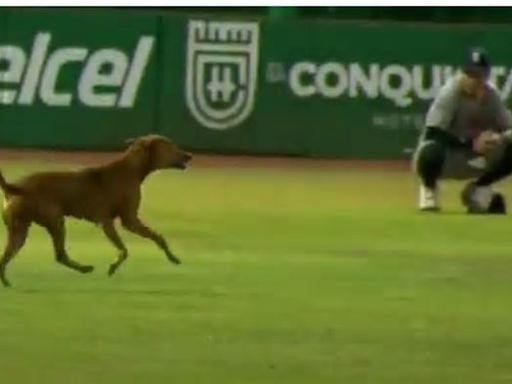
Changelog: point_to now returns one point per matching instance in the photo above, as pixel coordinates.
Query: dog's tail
(9, 189)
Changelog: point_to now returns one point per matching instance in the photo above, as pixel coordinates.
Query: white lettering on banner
(419, 73)
(53, 67)
(401, 84)
(338, 75)
(35, 67)
(93, 77)
(108, 77)
(300, 86)
(15, 59)
(359, 79)
(399, 94)
(397, 121)
(137, 69)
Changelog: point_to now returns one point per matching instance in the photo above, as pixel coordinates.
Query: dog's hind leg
(57, 230)
(136, 226)
(16, 235)
(110, 231)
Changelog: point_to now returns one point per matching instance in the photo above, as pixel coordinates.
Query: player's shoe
(428, 199)
(498, 205)
(482, 200)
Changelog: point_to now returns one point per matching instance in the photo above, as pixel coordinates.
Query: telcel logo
(25, 78)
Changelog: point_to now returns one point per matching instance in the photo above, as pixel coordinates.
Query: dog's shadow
(95, 291)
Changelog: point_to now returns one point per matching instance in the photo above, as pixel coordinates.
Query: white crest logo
(222, 71)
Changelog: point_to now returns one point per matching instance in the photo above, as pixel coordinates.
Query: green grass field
(289, 276)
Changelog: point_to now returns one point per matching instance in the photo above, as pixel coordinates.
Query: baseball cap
(477, 63)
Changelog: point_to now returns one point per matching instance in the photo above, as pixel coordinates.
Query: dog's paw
(174, 259)
(87, 269)
(112, 270)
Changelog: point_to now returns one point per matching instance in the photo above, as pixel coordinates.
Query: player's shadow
(457, 212)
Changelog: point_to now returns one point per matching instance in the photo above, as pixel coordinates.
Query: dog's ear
(133, 142)
(144, 140)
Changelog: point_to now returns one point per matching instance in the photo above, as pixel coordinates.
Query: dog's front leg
(135, 225)
(110, 231)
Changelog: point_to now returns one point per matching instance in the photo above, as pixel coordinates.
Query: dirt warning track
(210, 160)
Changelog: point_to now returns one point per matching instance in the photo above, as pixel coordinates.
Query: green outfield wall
(91, 78)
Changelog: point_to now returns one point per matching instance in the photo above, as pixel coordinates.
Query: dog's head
(160, 152)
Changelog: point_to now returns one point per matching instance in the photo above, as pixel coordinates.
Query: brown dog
(97, 194)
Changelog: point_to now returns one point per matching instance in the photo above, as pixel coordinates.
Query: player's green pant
(431, 155)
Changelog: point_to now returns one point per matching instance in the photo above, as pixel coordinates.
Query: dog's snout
(181, 160)
(184, 157)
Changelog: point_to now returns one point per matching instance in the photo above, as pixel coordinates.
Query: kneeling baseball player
(468, 136)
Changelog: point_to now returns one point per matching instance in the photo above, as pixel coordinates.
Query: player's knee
(507, 153)
(502, 158)
(429, 158)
